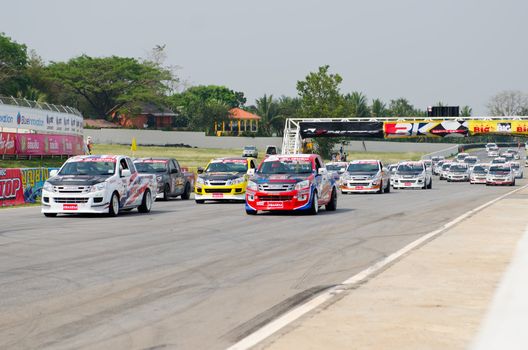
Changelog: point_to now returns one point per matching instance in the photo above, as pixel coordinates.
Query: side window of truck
(131, 165)
(317, 165)
(176, 165)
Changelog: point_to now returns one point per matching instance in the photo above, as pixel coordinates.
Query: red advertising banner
(7, 143)
(11, 187)
(46, 144)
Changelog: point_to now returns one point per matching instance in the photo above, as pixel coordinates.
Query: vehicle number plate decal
(218, 195)
(275, 205)
(407, 184)
(359, 187)
(69, 207)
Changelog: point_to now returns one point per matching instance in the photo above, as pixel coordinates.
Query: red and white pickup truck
(97, 184)
(291, 182)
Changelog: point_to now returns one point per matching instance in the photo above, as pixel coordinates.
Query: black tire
(166, 193)
(332, 205)
(251, 212)
(113, 209)
(513, 183)
(146, 202)
(381, 188)
(200, 201)
(187, 192)
(50, 215)
(388, 188)
(430, 184)
(314, 206)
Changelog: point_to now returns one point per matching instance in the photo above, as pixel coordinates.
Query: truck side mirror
(251, 172)
(125, 173)
(322, 171)
(200, 170)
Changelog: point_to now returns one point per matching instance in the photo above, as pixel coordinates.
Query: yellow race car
(223, 179)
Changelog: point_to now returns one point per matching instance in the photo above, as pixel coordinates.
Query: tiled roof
(99, 123)
(237, 113)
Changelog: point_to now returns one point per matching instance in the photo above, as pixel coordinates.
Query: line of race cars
(300, 182)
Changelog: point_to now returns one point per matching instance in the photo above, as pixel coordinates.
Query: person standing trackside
(89, 145)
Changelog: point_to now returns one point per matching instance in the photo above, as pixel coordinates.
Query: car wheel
(430, 184)
(251, 212)
(146, 202)
(187, 193)
(113, 209)
(381, 188)
(387, 189)
(200, 201)
(50, 215)
(332, 205)
(166, 192)
(314, 206)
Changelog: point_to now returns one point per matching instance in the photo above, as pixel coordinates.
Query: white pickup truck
(100, 184)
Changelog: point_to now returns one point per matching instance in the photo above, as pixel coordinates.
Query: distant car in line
(336, 169)
(458, 172)
(250, 151)
(500, 174)
(498, 160)
(172, 181)
(493, 153)
(272, 150)
(437, 167)
(413, 175)
(364, 176)
(444, 170)
(461, 156)
(471, 161)
(478, 173)
(491, 146)
(392, 171)
(517, 170)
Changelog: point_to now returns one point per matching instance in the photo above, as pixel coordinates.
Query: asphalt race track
(191, 276)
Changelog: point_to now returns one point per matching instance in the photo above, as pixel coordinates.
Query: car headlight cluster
(252, 186)
(302, 184)
(200, 181)
(236, 181)
(47, 187)
(98, 187)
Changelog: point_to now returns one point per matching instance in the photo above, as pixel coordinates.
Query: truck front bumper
(74, 203)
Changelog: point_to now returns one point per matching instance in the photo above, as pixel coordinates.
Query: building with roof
(151, 117)
(240, 121)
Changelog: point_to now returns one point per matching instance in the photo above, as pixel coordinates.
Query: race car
(458, 172)
(363, 176)
(437, 167)
(478, 174)
(500, 174)
(471, 161)
(97, 184)
(498, 160)
(392, 171)
(461, 156)
(172, 181)
(444, 170)
(493, 153)
(223, 179)
(413, 175)
(336, 169)
(298, 182)
(517, 170)
(491, 146)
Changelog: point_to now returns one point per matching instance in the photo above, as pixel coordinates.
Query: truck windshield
(88, 168)
(410, 168)
(458, 168)
(151, 167)
(479, 170)
(334, 167)
(227, 166)
(470, 160)
(499, 170)
(363, 167)
(286, 167)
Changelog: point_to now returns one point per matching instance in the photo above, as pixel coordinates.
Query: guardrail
(447, 152)
(22, 102)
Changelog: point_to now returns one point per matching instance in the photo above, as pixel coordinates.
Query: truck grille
(216, 183)
(358, 184)
(276, 187)
(71, 189)
(217, 190)
(71, 200)
(275, 198)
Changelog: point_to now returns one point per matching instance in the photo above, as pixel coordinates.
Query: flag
(133, 148)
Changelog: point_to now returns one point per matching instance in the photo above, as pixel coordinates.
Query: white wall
(198, 139)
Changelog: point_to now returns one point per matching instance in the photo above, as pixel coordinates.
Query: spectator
(89, 144)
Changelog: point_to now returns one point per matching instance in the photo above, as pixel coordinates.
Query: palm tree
(268, 110)
(466, 111)
(356, 105)
(378, 108)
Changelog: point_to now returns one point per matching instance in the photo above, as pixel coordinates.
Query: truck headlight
(98, 187)
(200, 181)
(47, 187)
(236, 181)
(252, 186)
(302, 184)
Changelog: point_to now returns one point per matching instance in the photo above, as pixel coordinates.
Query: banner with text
(7, 143)
(43, 144)
(445, 128)
(341, 129)
(513, 127)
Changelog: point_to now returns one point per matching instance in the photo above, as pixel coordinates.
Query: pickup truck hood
(221, 176)
(77, 180)
(288, 178)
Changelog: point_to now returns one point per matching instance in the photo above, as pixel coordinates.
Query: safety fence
(22, 185)
(18, 144)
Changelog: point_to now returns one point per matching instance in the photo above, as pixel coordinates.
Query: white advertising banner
(18, 117)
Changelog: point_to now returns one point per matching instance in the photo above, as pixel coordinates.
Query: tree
(268, 109)
(466, 111)
(508, 103)
(401, 108)
(356, 105)
(13, 62)
(206, 113)
(320, 98)
(111, 84)
(378, 109)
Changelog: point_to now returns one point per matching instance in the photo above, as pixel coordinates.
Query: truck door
(177, 179)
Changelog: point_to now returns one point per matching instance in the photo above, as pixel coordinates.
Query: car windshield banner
(341, 129)
(446, 128)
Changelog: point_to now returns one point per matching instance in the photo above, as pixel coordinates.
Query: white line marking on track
(289, 317)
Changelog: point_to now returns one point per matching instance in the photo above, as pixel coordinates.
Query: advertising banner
(17, 117)
(514, 127)
(31, 144)
(445, 128)
(7, 143)
(11, 187)
(42, 144)
(341, 129)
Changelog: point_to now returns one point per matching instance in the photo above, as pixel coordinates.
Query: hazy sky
(455, 51)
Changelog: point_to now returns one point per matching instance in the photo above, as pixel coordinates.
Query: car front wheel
(146, 202)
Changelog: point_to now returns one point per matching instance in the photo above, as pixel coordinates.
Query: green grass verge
(190, 157)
